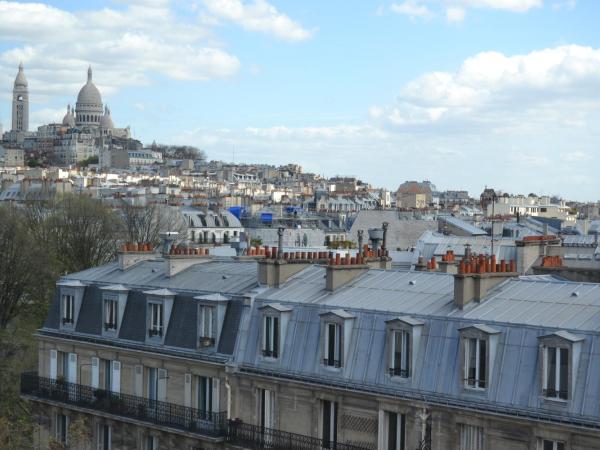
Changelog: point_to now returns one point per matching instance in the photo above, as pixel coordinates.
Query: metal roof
(463, 225)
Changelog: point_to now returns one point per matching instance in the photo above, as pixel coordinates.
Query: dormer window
(556, 373)
(270, 336)
(68, 304)
(336, 332)
(400, 358)
(111, 308)
(275, 318)
(560, 355)
(479, 343)
(475, 363)
(206, 326)
(404, 336)
(156, 320)
(333, 340)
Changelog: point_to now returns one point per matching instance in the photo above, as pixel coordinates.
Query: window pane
(548, 445)
(551, 372)
(406, 351)
(275, 336)
(482, 362)
(331, 347)
(397, 350)
(392, 431)
(564, 373)
(472, 359)
(326, 423)
(560, 446)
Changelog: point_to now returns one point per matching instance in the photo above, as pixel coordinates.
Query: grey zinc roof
(228, 276)
(464, 225)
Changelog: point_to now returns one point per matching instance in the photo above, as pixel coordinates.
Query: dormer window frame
(159, 305)
(478, 347)
(336, 332)
(554, 349)
(273, 327)
(206, 325)
(71, 297)
(111, 313)
(403, 333)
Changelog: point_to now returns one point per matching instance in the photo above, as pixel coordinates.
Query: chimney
(476, 277)
(133, 253)
(376, 236)
(360, 239)
(180, 258)
(341, 272)
(280, 232)
(168, 238)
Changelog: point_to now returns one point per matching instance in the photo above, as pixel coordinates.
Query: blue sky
(466, 93)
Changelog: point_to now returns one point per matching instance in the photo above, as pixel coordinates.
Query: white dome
(20, 80)
(89, 93)
(69, 120)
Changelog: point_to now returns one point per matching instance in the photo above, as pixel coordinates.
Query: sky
(464, 93)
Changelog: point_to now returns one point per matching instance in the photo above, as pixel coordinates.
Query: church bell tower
(20, 104)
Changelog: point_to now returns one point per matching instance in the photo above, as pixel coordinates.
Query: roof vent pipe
(384, 225)
(375, 236)
(360, 240)
(168, 238)
(280, 231)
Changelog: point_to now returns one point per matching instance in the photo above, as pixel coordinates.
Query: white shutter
(187, 390)
(215, 394)
(268, 409)
(95, 382)
(116, 377)
(72, 368)
(53, 364)
(138, 381)
(162, 385)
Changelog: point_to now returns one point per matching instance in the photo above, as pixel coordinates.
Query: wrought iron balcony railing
(562, 394)
(144, 409)
(255, 437)
(398, 372)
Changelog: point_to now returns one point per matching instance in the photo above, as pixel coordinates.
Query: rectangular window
(396, 431)
(63, 365)
(475, 363)
(62, 428)
(333, 339)
(556, 373)
(156, 320)
(206, 325)
(400, 360)
(552, 445)
(151, 443)
(471, 437)
(329, 424)
(107, 372)
(68, 302)
(266, 408)
(104, 437)
(152, 383)
(271, 337)
(110, 314)
(205, 394)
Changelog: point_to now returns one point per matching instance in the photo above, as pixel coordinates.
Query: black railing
(152, 332)
(554, 393)
(110, 326)
(332, 362)
(398, 372)
(67, 320)
(256, 438)
(475, 383)
(206, 341)
(153, 411)
(269, 353)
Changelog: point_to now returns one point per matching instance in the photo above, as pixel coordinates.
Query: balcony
(130, 406)
(255, 437)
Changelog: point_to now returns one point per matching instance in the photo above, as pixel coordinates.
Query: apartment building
(190, 352)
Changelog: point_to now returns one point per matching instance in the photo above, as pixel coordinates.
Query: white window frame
(556, 445)
(58, 428)
(151, 442)
(206, 322)
(336, 361)
(68, 309)
(157, 318)
(111, 314)
(476, 382)
(266, 407)
(404, 371)
(102, 443)
(400, 430)
(554, 392)
(331, 440)
(271, 332)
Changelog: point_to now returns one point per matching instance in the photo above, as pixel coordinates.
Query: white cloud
(412, 9)
(575, 156)
(125, 47)
(455, 14)
(258, 16)
(490, 85)
(507, 5)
